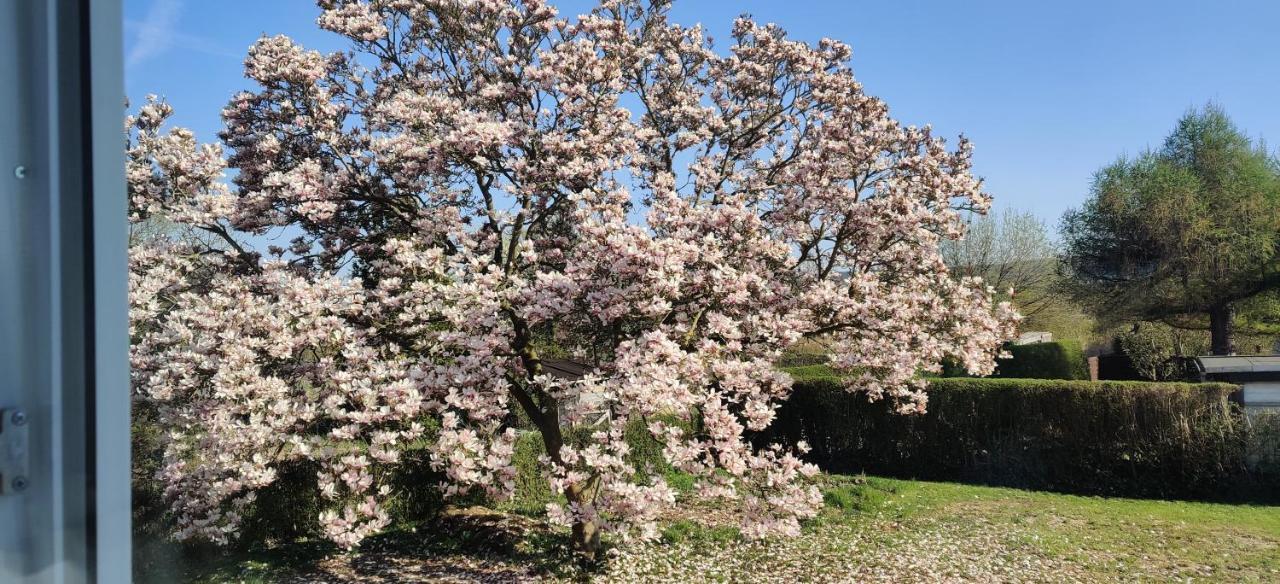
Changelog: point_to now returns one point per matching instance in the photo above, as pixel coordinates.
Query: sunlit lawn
(872, 529)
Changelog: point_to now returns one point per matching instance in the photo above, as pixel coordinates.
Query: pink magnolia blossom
(478, 181)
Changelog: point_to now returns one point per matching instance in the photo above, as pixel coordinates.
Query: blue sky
(1048, 91)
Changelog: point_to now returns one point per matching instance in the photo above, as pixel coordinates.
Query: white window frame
(67, 272)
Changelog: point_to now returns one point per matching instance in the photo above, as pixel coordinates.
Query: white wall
(1261, 393)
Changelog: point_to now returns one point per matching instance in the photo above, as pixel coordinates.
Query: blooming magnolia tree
(479, 183)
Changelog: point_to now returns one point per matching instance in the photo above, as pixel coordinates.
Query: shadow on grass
(473, 544)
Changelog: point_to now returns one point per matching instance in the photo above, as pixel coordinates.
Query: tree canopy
(1012, 252)
(474, 178)
(1181, 234)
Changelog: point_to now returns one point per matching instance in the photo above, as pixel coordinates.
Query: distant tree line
(1175, 251)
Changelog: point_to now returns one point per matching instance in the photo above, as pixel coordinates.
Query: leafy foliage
(1103, 438)
(1158, 352)
(1180, 234)
(1014, 254)
(1051, 360)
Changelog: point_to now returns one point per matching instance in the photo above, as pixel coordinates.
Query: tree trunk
(546, 416)
(586, 534)
(1221, 329)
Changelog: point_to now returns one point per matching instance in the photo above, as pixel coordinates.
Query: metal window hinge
(14, 477)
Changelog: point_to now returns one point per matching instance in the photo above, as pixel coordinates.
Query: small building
(565, 369)
(571, 371)
(1259, 379)
(1257, 375)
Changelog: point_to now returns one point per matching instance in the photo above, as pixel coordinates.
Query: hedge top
(818, 375)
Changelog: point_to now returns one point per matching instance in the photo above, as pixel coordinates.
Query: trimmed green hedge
(802, 359)
(1052, 360)
(1104, 438)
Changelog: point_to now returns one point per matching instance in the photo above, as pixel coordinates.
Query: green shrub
(1104, 438)
(810, 372)
(286, 510)
(147, 445)
(532, 490)
(801, 359)
(952, 368)
(1052, 360)
(533, 493)
(414, 492)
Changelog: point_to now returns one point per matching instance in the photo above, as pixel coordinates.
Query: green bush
(1052, 360)
(801, 359)
(533, 492)
(1104, 438)
(810, 372)
(285, 510)
(288, 508)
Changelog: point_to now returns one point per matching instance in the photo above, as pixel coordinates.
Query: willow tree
(1180, 235)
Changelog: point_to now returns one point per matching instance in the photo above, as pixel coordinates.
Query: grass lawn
(871, 530)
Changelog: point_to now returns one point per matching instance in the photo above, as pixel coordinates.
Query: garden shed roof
(565, 369)
(1239, 364)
